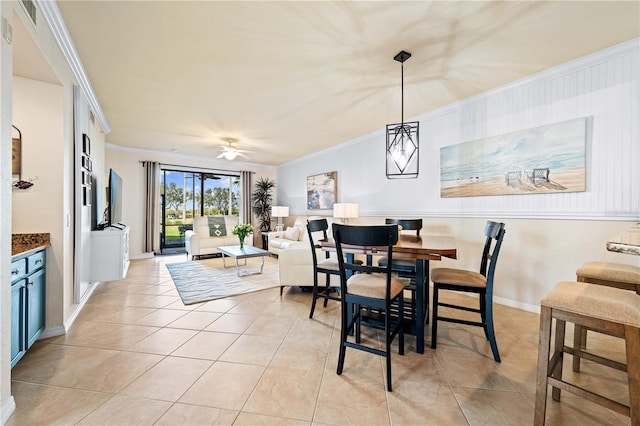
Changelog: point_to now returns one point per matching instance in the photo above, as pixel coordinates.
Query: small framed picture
(86, 196)
(86, 144)
(86, 178)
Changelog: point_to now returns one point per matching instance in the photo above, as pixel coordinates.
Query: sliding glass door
(186, 195)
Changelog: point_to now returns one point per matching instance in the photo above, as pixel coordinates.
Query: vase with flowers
(242, 230)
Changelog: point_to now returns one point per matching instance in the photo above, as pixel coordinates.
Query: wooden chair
(609, 274)
(328, 266)
(474, 282)
(604, 309)
(401, 265)
(368, 286)
(407, 268)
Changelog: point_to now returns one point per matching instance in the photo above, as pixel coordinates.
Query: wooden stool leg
(632, 338)
(579, 342)
(544, 346)
(558, 349)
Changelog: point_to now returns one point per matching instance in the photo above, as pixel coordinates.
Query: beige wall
(535, 254)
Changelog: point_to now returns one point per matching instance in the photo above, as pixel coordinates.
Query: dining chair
(400, 265)
(474, 282)
(328, 266)
(604, 309)
(365, 286)
(407, 268)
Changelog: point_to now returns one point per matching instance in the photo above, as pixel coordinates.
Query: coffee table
(243, 253)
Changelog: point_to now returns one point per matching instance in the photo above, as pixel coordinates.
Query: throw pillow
(292, 233)
(217, 227)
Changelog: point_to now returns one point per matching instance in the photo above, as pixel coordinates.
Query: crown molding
(53, 18)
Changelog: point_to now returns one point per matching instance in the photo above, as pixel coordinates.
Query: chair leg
(387, 335)
(483, 314)
(577, 344)
(326, 291)
(401, 325)
(544, 347)
(632, 338)
(434, 317)
(344, 331)
(488, 327)
(315, 294)
(558, 348)
(281, 288)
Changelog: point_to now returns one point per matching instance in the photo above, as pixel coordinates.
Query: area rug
(201, 280)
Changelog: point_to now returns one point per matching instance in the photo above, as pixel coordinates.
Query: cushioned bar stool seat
(600, 308)
(610, 274)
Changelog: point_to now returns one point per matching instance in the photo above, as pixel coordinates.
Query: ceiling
(287, 79)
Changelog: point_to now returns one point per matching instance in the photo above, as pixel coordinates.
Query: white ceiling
(290, 78)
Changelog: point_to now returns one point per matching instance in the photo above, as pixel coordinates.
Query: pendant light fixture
(402, 139)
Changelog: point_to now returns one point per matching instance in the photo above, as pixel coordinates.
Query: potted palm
(262, 199)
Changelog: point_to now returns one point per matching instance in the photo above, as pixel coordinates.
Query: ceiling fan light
(230, 155)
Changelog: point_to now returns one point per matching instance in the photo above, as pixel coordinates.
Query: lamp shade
(280, 211)
(345, 210)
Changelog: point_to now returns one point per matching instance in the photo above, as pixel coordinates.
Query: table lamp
(345, 211)
(279, 212)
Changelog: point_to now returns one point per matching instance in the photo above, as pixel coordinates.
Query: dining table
(420, 249)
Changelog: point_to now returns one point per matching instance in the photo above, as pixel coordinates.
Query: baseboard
(142, 256)
(518, 305)
(7, 409)
(52, 332)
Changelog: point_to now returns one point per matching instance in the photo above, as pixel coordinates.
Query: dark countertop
(25, 244)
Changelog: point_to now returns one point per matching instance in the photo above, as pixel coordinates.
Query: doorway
(185, 195)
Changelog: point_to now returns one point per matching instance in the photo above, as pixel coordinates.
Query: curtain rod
(193, 169)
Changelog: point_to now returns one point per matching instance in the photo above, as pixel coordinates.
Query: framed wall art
(545, 159)
(321, 190)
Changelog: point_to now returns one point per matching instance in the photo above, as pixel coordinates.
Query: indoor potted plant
(262, 198)
(242, 230)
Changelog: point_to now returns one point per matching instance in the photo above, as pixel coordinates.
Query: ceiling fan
(229, 152)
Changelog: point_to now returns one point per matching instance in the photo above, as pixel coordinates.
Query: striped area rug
(202, 280)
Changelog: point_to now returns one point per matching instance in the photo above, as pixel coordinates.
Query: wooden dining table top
(430, 247)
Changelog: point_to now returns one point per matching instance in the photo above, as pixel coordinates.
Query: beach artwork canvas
(321, 191)
(544, 159)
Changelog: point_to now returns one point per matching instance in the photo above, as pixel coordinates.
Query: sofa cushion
(292, 233)
(217, 226)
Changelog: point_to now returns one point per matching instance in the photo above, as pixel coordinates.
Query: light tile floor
(137, 355)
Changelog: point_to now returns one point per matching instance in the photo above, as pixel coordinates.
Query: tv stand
(109, 253)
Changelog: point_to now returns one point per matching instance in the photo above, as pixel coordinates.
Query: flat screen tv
(114, 199)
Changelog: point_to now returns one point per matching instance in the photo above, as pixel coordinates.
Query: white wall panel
(603, 86)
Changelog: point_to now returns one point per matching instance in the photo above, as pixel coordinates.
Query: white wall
(126, 162)
(38, 111)
(548, 235)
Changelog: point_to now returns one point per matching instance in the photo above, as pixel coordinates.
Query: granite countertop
(628, 242)
(25, 244)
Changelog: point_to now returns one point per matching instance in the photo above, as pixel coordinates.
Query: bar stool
(609, 274)
(601, 308)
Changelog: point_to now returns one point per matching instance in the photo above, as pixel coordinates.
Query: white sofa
(295, 263)
(200, 242)
(292, 236)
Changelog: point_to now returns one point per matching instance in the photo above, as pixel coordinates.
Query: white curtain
(152, 207)
(246, 183)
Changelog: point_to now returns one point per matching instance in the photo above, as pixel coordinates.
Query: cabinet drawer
(35, 261)
(18, 269)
